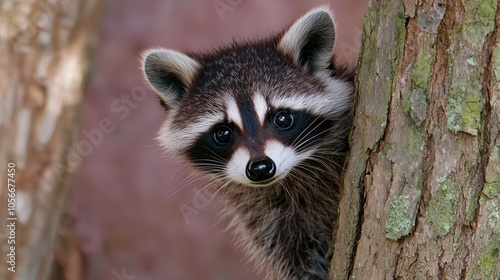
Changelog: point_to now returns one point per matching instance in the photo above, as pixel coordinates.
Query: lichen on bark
(425, 147)
(399, 223)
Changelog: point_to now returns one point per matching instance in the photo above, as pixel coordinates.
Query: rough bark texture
(45, 47)
(422, 183)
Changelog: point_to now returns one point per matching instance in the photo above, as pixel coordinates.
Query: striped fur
(223, 116)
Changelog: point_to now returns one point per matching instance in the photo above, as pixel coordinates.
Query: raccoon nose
(260, 169)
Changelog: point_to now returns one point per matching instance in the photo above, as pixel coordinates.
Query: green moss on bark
(479, 22)
(488, 265)
(415, 98)
(465, 103)
(440, 212)
(399, 223)
(492, 175)
(422, 70)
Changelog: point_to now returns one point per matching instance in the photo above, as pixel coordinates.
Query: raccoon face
(253, 112)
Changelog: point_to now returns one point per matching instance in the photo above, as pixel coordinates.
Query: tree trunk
(422, 182)
(45, 47)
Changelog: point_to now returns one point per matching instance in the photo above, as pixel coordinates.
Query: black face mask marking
(212, 150)
(297, 129)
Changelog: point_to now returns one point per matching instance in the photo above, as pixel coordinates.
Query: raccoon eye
(223, 135)
(283, 120)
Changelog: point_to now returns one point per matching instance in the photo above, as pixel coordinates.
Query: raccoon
(267, 121)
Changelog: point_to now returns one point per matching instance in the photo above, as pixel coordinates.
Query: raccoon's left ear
(309, 41)
(170, 73)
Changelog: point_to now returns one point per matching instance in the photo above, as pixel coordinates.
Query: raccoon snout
(260, 169)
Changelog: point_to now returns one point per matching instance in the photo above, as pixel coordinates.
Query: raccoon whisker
(210, 163)
(310, 167)
(193, 177)
(225, 184)
(312, 176)
(172, 177)
(293, 175)
(321, 157)
(215, 166)
(334, 151)
(212, 166)
(300, 143)
(216, 160)
(302, 174)
(283, 184)
(312, 137)
(324, 164)
(298, 179)
(215, 154)
(188, 180)
(218, 213)
(315, 174)
(332, 143)
(210, 184)
(299, 146)
(329, 153)
(301, 136)
(297, 171)
(306, 197)
(300, 166)
(219, 217)
(161, 150)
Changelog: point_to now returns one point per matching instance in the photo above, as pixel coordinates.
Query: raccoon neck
(287, 228)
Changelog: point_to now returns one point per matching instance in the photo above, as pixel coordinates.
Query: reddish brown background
(125, 197)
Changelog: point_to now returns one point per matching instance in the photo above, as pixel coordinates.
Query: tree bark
(45, 47)
(422, 182)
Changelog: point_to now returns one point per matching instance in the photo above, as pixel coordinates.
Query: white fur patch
(283, 156)
(336, 100)
(233, 113)
(173, 139)
(237, 165)
(260, 105)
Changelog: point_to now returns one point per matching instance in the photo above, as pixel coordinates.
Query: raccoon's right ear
(170, 73)
(309, 41)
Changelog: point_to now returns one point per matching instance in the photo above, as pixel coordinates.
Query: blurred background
(132, 214)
